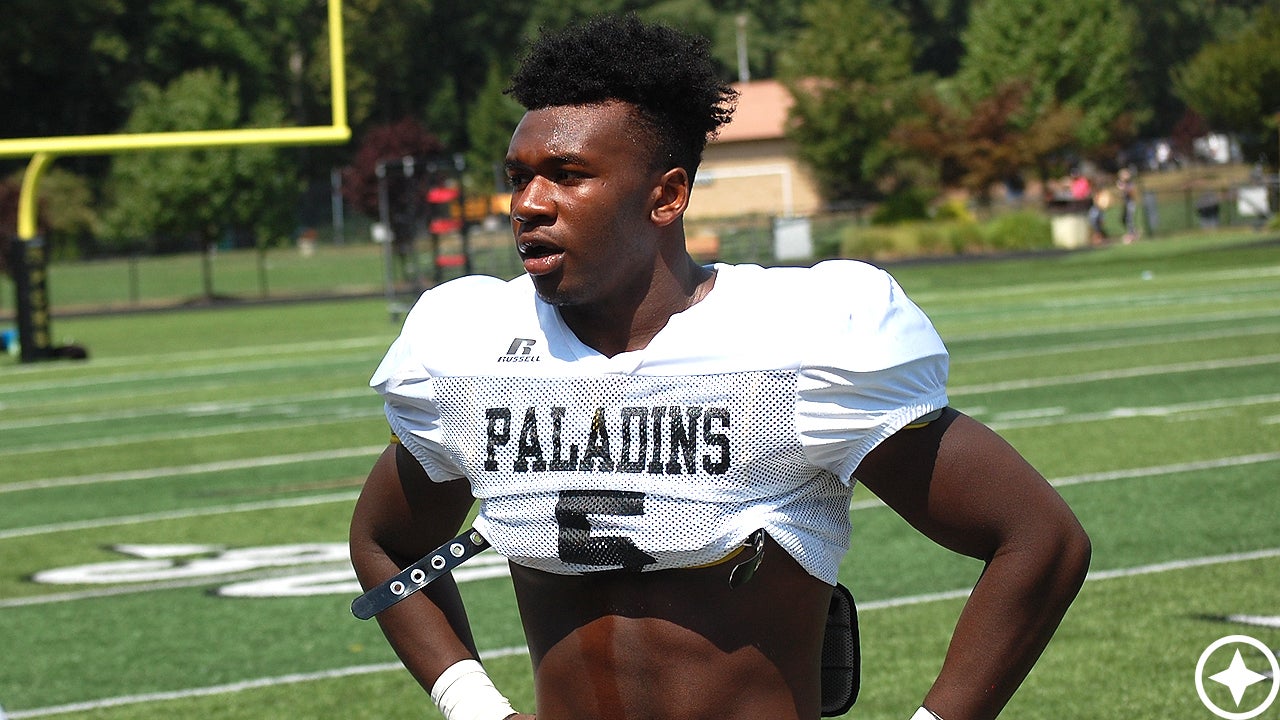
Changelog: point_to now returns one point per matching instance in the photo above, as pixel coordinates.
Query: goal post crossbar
(29, 255)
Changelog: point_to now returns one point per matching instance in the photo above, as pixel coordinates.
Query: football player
(665, 451)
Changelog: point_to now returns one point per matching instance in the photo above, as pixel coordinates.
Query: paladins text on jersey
(662, 440)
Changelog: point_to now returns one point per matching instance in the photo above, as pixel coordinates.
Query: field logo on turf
(1230, 669)
(277, 571)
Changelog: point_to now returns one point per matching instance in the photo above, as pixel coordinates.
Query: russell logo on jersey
(520, 350)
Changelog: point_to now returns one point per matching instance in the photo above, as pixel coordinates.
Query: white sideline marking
(254, 351)
(177, 514)
(1116, 374)
(1057, 416)
(1166, 469)
(1033, 350)
(1184, 564)
(509, 651)
(1094, 576)
(151, 473)
(346, 497)
(335, 416)
(869, 504)
(201, 371)
(329, 417)
(1182, 279)
(234, 687)
(185, 410)
(117, 590)
(1085, 328)
(1130, 473)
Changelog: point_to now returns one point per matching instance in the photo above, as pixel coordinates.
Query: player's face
(582, 191)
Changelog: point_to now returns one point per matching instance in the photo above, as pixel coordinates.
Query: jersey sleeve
(404, 381)
(874, 364)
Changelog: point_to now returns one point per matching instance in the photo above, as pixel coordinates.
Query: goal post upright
(29, 255)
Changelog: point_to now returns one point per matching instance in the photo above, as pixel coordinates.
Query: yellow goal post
(28, 269)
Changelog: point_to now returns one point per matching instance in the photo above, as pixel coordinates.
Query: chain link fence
(329, 265)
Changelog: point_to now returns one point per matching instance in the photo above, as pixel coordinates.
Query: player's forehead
(595, 133)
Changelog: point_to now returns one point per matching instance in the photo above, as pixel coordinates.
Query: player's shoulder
(809, 289)
(469, 300)
(477, 288)
(837, 313)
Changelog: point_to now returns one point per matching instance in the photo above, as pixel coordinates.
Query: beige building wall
(751, 168)
(758, 177)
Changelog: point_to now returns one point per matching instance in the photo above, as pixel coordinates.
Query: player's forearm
(429, 630)
(1010, 616)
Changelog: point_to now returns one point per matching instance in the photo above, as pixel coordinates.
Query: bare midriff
(676, 644)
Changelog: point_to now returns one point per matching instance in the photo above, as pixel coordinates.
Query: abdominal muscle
(676, 644)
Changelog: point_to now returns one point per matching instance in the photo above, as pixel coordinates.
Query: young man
(665, 451)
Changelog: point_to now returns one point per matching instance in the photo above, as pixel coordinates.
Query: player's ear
(670, 197)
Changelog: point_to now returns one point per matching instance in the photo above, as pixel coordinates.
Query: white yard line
(327, 418)
(208, 408)
(251, 351)
(186, 514)
(294, 678)
(62, 383)
(1032, 350)
(1076, 286)
(234, 687)
(1094, 327)
(211, 467)
(371, 451)
(1132, 473)
(1167, 469)
(347, 497)
(1030, 418)
(135, 588)
(1095, 576)
(184, 410)
(1118, 374)
(1042, 417)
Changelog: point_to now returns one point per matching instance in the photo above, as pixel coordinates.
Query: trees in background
(180, 197)
(1234, 84)
(979, 142)
(850, 90)
(1078, 55)
(858, 68)
(389, 168)
(1040, 85)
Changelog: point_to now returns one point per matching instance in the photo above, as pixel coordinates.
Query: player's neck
(627, 326)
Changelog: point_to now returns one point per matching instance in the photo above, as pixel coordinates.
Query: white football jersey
(749, 410)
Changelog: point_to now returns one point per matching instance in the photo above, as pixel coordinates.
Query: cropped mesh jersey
(749, 410)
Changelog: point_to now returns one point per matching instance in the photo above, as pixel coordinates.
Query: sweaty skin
(676, 643)
(681, 644)
(601, 231)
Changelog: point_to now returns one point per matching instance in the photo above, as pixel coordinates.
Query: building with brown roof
(752, 168)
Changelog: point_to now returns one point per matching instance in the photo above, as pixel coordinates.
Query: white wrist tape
(925, 714)
(465, 692)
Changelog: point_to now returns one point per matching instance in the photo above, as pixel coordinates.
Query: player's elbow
(1077, 553)
(1066, 552)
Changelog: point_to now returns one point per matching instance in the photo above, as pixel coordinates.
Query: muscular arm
(402, 515)
(964, 487)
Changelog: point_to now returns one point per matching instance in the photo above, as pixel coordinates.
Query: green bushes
(1013, 231)
(1018, 230)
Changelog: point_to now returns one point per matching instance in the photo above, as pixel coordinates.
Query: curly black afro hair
(667, 75)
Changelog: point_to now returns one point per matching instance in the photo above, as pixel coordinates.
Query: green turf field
(173, 511)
